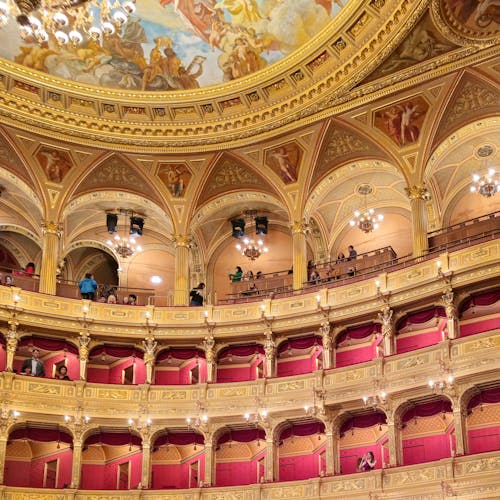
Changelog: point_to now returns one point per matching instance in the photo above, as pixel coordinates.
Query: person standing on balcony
(33, 366)
(88, 286)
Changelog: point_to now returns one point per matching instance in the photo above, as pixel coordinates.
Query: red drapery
(241, 350)
(484, 299)
(300, 343)
(242, 436)
(361, 421)
(422, 316)
(308, 429)
(117, 351)
(489, 396)
(180, 354)
(49, 344)
(44, 435)
(114, 439)
(428, 409)
(359, 332)
(180, 438)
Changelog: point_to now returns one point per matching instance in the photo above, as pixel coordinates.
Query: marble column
(209, 348)
(324, 331)
(388, 341)
(77, 464)
(452, 324)
(182, 244)
(418, 195)
(50, 257)
(299, 229)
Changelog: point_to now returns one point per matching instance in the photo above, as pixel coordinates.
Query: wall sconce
(259, 415)
(200, 419)
(262, 310)
(69, 418)
(444, 275)
(16, 298)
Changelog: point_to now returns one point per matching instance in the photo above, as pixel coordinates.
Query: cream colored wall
(279, 258)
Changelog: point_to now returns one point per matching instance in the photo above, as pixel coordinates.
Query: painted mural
(180, 44)
(478, 15)
(175, 176)
(284, 160)
(55, 164)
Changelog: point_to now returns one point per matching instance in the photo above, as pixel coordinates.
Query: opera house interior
(249, 249)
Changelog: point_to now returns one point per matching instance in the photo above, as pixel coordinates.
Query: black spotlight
(260, 225)
(112, 223)
(238, 228)
(136, 225)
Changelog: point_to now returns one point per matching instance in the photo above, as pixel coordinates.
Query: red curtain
(308, 429)
(422, 316)
(114, 439)
(242, 436)
(43, 435)
(180, 438)
(299, 343)
(489, 396)
(359, 332)
(361, 421)
(49, 344)
(180, 354)
(428, 409)
(117, 351)
(484, 299)
(241, 350)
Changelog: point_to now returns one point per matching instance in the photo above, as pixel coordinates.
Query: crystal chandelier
(486, 184)
(125, 245)
(67, 21)
(252, 248)
(366, 218)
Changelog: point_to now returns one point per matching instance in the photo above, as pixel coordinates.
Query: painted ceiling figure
(243, 12)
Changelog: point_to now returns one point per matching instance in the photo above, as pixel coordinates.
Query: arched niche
(111, 460)
(239, 457)
(177, 460)
(38, 456)
(180, 366)
(116, 364)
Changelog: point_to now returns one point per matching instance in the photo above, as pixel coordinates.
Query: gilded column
(182, 244)
(77, 463)
(336, 450)
(324, 331)
(270, 354)
(50, 257)
(146, 464)
(395, 444)
(330, 432)
(12, 340)
(299, 230)
(452, 324)
(209, 461)
(3, 449)
(150, 345)
(388, 336)
(459, 413)
(271, 458)
(83, 352)
(418, 195)
(209, 347)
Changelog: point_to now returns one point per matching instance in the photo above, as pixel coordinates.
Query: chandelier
(201, 418)
(258, 416)
(66, 20)
(253, 248)
(366, 218)
(377, 397)
(125, 245)
(486, 184)
(444, 380)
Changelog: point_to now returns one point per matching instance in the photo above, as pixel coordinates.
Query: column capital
(418, 192)
(51, 227)
(300, 227)
(182, 240)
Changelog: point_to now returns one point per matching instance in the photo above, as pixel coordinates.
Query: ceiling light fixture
(126, 245)
(253, 248)
(67, 21)
(366, 218)
(485, 184)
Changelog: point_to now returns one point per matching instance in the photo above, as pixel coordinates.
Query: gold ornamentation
(51, 227)
(418, 192)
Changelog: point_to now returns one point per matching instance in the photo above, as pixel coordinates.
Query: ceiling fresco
(180, 44)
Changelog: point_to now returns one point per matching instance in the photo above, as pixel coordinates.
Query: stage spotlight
(260, 225)
(238, 228)
(136, 225)
(112, 223)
